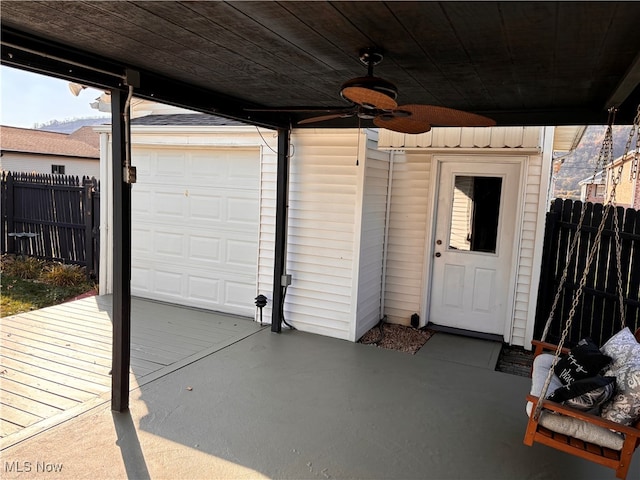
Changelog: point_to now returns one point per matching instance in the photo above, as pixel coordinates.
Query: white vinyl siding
(372, 238)
(336, 223)
(527, 251)
(404, 281)
(33, 163)
(324, 198)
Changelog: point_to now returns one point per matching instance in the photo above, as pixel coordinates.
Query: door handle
(438, 254)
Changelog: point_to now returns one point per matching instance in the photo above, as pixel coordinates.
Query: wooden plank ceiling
(521, 63)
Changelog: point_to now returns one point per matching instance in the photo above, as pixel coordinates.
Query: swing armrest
(633, 431)
(541, 347)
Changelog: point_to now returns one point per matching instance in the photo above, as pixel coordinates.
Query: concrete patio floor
(300, 406)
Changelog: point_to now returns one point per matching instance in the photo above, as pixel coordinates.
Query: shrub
(62, 275)
(26, 268)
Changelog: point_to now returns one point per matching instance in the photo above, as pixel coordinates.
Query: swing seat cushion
(624, 407)
(569, 426)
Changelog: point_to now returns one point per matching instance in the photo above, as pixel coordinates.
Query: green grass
(29, 284)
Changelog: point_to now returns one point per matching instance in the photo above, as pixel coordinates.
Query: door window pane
(474, 213)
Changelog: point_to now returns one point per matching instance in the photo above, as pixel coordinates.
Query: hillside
(581, 163)
(70, 126)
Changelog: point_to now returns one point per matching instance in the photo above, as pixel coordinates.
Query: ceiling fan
(374, 98)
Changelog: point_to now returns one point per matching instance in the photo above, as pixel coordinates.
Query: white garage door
(195, 215)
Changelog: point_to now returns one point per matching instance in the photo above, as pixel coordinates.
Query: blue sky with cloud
(27, 99)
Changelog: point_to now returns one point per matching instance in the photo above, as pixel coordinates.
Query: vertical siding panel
(466, 137)
(531, 137)
(452, 136)
(513, 137)
(526, 253)
(498, 135)
(438, 137)
(409, 141)
(482, 137)
(425, 139)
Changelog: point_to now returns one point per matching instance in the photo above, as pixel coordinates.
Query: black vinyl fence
(597, 315)
(53, 217)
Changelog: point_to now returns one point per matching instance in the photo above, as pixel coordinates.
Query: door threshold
(465, 333)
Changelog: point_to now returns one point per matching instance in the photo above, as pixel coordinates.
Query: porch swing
(575, 425)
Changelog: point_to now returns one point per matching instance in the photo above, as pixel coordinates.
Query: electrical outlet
(285, 280)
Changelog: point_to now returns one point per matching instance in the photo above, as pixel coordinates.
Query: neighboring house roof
(630, 156)
(70, 126)
(25, 140)
(186, 119)
(597, 178)
(87, 135)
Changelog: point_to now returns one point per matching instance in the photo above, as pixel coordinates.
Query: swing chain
(616, 230)
(633, 170)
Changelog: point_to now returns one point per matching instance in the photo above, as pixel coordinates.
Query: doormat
(397, 337)
(515, 361)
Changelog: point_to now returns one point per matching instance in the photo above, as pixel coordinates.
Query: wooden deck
(58, 359)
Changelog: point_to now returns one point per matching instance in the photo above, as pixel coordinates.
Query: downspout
(385, 246)
(105, 282)
(280, 280)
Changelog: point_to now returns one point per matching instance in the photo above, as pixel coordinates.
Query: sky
(27, 99)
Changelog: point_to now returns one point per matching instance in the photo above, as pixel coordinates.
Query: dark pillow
(583, 361)
(587, 394)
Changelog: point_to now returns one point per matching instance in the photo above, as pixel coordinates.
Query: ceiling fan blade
(447, 117)
(323, 118)
(402, 124)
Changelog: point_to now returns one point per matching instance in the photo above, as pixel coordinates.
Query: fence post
(3, 209)
(95, 195)
(11, 243)
(87, 203)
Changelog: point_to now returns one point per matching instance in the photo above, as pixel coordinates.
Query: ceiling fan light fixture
(370, 92)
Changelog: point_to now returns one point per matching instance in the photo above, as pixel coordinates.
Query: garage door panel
(204, 289)
(141, 243)
(241, 254)
(239, 295)
(168, 282)
(169, 244)
(205, 249)
(142, 200)
(242, 210)
(170, 164)
(205, 208)
(140, 279)
(169, 205)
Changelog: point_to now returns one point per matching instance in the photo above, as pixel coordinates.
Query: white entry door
(475, 232)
